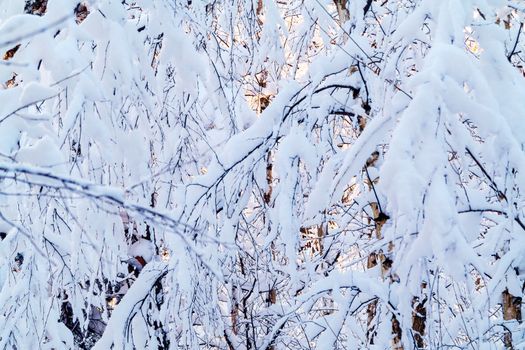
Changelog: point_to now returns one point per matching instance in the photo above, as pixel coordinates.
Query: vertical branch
(269, 179)
(235, 310)
(272, 292)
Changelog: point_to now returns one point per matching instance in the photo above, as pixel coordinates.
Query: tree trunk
(342, 11)
(511, 311)
(379, 257)
(419, 318)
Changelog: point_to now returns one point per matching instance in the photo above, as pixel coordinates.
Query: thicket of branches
(261, 174)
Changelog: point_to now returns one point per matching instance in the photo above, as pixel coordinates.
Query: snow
(148, 197)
